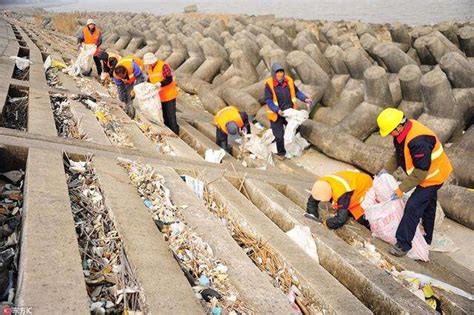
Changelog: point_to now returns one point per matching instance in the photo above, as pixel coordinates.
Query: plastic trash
(208, 293)
(203, 281)
(148, 203)
(427, 280)
(148, 102)
(302, 236)
(384, 215)
(294, 142)
(214, 156)
(47, 63)
(196, 185)
(84, 61)
(216, 310)
(21, 63)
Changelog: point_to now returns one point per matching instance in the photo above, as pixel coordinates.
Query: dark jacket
(282, 92)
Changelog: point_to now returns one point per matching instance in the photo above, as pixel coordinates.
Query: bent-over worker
(420, 153)
(160, 74)
(109, 61)
(346, 190)
(230, 121)
(91, 35)
(281, 94)
(127, 73)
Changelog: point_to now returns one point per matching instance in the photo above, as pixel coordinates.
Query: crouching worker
(109, 61)
(346, 190)
(230, 121)
(127, 73)
(420, 153)
(159, 73)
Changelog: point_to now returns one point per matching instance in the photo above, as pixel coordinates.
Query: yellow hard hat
(321, 191)
(388, 120)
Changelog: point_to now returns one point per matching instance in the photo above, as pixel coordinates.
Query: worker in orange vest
(281, 94)
(230, 121)
(109, 61)
(160, 74)
(421, 155)
(346, 190)
(127, 73)
(91, 35)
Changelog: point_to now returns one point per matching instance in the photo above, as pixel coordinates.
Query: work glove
(397, 194)
(158, 85)
(243, 131)
(132, 94)
(280, 112)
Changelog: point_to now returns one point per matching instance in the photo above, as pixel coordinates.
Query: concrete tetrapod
(466, 40)
(357, 62)
(215, 58)
(459, 70)
(393, 57)
(335, 56)
(457, 204)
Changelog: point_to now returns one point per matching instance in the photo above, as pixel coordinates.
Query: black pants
(278, 128)
(98, 65)
(420, 205)
(221, 140)
(169, 115)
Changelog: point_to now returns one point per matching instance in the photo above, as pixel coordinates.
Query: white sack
(214, 156)
(302, 237)
(21, 63)
(147, 102)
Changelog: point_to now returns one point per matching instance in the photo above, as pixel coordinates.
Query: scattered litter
(151, 133)
(111, 125)
(261, 147)
(11, 211)
(15, 113)
(214, 156)
(283, 277)
(302, 237)
(21, 63)
(66, 124)
(111, 282)
(442, 243)
(203, 270)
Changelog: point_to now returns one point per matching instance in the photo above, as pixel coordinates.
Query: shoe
(280, 157)
(397, 251)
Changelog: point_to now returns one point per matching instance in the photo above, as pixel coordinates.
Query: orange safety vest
(91, 38)
(155, 75)
(272, 116)
(228, 114)
(127, 62)
(440, 167)
(346, 181)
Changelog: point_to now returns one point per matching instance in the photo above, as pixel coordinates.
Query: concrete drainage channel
(111, 283)
(22, 74)
(15, 110)
(12, 212)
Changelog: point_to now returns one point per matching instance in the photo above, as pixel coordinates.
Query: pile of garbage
(112, 286)
(15, 113)
(66, 124)
(283, 277)
(52, 78)
(11, 209)
(206, 273)
(111, 125)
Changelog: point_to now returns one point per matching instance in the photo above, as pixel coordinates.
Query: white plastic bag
(302, 236)
(385, 215)
(21, 63)
(196, 185)
(147, 102)
(294, 142)
(47, 63)
(84, 61)
(214, 156)
(261, 147)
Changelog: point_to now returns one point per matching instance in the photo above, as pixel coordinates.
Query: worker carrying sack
(147, 102)
(384, 215)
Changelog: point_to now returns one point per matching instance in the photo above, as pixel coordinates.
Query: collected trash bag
(47, 63)
(302, 236)
(261, 147)
(147, 102)
(84, 61)
(21, 63)
(384, 216)
(294, 142)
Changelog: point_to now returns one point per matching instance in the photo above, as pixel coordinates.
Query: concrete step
(331, 295)
(50, 277)
(372, 285)
(254, 286)
(165, 286)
